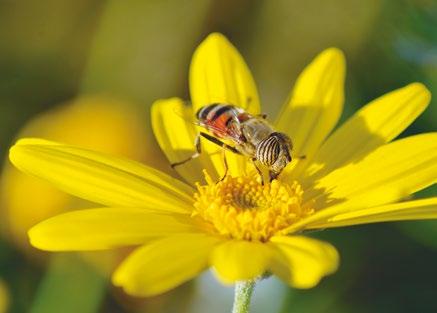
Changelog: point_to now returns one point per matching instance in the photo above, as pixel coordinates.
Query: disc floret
(243, 208)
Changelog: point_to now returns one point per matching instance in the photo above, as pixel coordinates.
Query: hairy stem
(242, 296)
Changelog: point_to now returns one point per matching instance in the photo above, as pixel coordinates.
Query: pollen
(243, 208)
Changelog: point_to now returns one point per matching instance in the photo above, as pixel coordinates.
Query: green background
(52, 51)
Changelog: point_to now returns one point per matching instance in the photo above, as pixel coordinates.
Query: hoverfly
(251, 136)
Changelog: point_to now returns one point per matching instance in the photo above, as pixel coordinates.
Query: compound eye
(268, 151)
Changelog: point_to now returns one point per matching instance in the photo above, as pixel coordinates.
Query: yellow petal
(218, 73)
(174, 129)
(315, 104)
(409, 210)
(389, 173)
(302, 262)
(100, 178)
(105, 228)
(164, 264)
(238, 260)
(374, 125)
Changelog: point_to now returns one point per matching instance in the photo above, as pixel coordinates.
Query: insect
(249, 135)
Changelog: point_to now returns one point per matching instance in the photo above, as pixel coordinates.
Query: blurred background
(86, 72)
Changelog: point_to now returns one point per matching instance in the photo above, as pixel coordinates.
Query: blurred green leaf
(143, 48)
(287, 35)
(70, 285)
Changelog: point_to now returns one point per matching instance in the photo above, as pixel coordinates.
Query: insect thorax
(256, 130)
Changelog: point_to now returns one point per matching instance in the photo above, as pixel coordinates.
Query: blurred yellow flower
(97, 121)
(237, 226)
(4, 297)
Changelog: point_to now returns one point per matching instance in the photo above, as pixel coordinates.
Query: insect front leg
(262, 115)
(258, 170)
(273, 175)
(195, 155)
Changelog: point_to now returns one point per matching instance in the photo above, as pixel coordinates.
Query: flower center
(242, 208)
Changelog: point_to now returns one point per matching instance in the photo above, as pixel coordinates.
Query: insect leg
(219, 143)
(224, 147)
(225, 163)
(199, 150)
(262, 115)
(195, 155)
(273, 175)
(258, 170)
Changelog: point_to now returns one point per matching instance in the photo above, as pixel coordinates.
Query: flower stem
(242, 296)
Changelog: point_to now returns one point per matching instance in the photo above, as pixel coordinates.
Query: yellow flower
(239, 227)
(87, 121)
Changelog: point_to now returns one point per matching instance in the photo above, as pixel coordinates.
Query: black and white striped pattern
(268, 150)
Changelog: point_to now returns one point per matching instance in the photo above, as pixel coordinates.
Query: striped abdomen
(218, 118)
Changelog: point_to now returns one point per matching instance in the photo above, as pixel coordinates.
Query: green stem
(242, 296)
